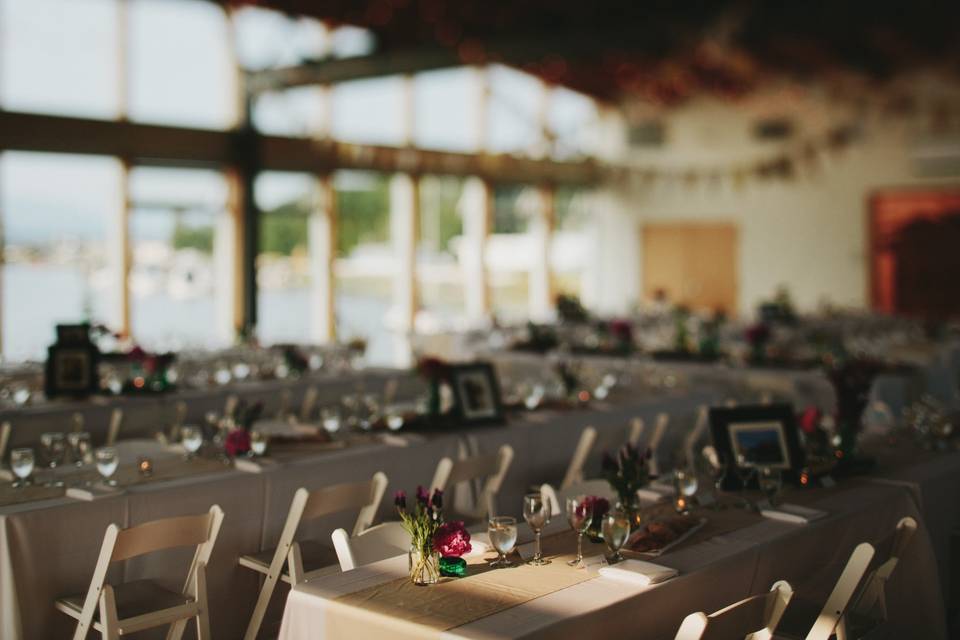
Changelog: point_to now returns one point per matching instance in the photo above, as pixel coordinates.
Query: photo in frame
(757, 436)
(71, 371)
(476, 393)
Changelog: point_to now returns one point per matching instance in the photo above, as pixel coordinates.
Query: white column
(322, 246)
(227, 266)
(611, 282)
(540, 230)
(475, 204)
(404, 223)
(118, 257)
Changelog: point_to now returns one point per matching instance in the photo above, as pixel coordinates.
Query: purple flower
(608, 463)
(400, 500)
(422, 496)
(452, 539)
(437, 500)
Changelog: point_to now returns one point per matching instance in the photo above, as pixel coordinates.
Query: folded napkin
(92, 492)
(655, 492)
(638, 572)
(792, 513)
(477, 548)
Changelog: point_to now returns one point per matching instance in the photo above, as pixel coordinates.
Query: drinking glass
(536, 511)
(107, 463)
(579, 515)
(54, 452)
(79, 447)
(502, 531)
(744, 473)
(685, 481)
(331, 419)
(192, 439)
(22, 463)
(616, 530)
(258, 442)
(394, 417)
(351, 405)
(770, 481)
(368, 411)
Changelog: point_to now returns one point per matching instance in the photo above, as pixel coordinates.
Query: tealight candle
(145, 466)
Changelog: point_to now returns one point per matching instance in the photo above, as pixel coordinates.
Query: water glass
(368, 411)
(616, 530)
(22, 463)
(258, 442)
(192, 439)
(394, 417)
(579, 515)
(331, 419)
(536, 511)
(54, 453)
(107, 463)
(80, 447)
(770, 481)
(502, 531)
(744, 473)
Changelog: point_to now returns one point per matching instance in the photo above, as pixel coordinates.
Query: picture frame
(765, 435)
(476, 393)
(71, 371)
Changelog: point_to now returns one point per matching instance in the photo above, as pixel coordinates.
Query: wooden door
(694, 263)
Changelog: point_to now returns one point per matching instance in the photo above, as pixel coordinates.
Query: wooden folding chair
(635, 432)
(116, 422)
(558, 499)
(310, 397)
(379, 542)
(753, 618)
(142, 604)
(659, 430)
(582, 451)
(294, 562)
(691, 440)
(831, 619)
(493, 467)
(870, 606)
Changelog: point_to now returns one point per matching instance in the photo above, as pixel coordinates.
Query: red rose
(237, 443)
(452, 539)
(810, 419)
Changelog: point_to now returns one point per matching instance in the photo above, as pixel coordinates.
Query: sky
(61, 57)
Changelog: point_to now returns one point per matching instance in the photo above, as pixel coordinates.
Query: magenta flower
(237, 443)
(452, 539)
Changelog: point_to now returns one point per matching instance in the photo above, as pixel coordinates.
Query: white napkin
(95, 491)
(655, 492)
(477, 548)
(638, 572)
(792, 513)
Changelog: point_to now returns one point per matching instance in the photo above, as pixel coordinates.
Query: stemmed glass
(579, 515)
(686, 484)
(770, 481)
(536, 511)
(616, 530)
(22, 463)
(502, 531)
(744, 473)
(192, 439)
(54, 452)
(79, 447)
(107, 463)
(258, 442)
(331, 419)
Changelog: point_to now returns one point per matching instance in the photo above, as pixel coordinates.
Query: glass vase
(424, 566)
(631, 507)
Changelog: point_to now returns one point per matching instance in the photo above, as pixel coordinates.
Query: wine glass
(54, 452)
(502, 531)
(22, 463)
(331, 419)
(579, 515)
(394, 417)
(368, 411)
(107, 463)
(744, 472)
(686, 484)
(79, 442)
(192, 439)
(258, 442)
(770, 481)
(536, 511)
(616, 530)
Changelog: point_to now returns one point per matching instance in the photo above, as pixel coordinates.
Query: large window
(180, 270)
(57, 211)
(439, 273)
(509, 253)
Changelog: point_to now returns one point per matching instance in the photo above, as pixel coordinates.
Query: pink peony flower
(237, 443)
(452, 539)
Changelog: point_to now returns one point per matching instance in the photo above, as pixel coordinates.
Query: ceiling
(664, 51)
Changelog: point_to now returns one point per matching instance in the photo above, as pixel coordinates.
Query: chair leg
(203, 615)
(176, 630)
(260, 609)
(108, 614)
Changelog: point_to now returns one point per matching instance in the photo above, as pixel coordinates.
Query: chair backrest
(310, 397)
(831, 616)
(492, 466)
(699, 429)
(871, 602)
(754, 618)
(659, 430)
(558, 499)
(580, 454)
(4, 439)
(635, 432)
(365, 496)
(113, 431)
(121, 544)
(380, 542)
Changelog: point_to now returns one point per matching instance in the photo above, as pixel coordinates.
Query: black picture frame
(775, 426)
(476, 393)
(72, 371)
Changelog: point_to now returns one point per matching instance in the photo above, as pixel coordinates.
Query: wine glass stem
(580, 547)
(537, 553)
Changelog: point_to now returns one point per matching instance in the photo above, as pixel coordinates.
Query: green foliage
(188, 237)
(363, 216)
(439, 219)
(285, 228)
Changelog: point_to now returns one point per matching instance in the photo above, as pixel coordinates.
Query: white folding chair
(230, 406)
(558, 499)
(491, 466)
(5, 429)
(283, 409)
(753, 618)
(831, 618)
(635, 432)
(310, 397)
(142, 604)
(582, 451)
(294, 562)
(691, 440)
(379, 542)
(113, 431)
(659, 430)
(869, 610)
